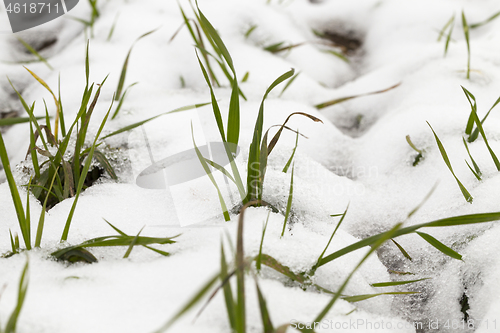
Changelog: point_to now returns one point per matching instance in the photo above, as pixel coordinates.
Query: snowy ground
(359, 156)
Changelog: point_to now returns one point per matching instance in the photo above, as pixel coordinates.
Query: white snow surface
(358, 157)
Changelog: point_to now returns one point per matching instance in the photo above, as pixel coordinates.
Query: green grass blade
(475, 134)
(448, 37)
(15, 120)
(285, 270)
(258, 260)
(402, 250)
(21, 295)
(446, 222)
(476, 167)
(446, 160)
(123, 73)
(104, 163)
(212, 179)
(359, 298)
(264, 312)
(142, 122)
(132, 244)
(221, 169)
(489, 19)
(215, 104)
(34, 52)
(190, 304)
(118, 108)
(253, 173)
(289, 203)
(21, 218)
(289, 162)
(41, 220)
(465, 27)
(289, 83)
(112, 30)
(448, 23)
(228, 293)
(478, 177)
(82, 179)
(440, 246)
(395, 283)
(313, 270)
(481, 130)
(338, 55)
(383, 237)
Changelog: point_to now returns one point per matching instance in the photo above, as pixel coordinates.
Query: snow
(358, 157)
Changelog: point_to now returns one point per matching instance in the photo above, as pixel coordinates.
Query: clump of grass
(78, 253)
(468, 197)
(259, 148)
(473, 134)
(473, 118)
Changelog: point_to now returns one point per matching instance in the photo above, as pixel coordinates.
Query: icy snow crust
(359, 156)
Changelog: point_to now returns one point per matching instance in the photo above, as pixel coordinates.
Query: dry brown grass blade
(343, 99)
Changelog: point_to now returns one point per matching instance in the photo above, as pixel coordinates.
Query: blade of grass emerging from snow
(465, 27)
(190, 304)
(34, 52)
(142, 122)
(228, 293)
(289, 83)
(16, 198)
(258, 260)
(481, 130)
(289, 203)
(475, 134)
(446, 160)
(489, 19)
(82, 179)
(313, 270)
(395, 283)
(123, 74)
(442, 31)
(439, 246)
(233, 122)
(289, 162)
(476, 171)
(446, 222)
(402, 250)
(359, 298)
(41, 220)
(21, 295)
(264, 312)
(212, 179)
(343, 99)
(254, 176)
(118, 108)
